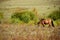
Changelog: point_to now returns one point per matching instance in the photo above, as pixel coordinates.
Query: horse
(46, 22)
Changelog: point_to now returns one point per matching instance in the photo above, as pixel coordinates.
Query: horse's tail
(52, 23)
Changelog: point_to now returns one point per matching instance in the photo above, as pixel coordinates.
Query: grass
(27, 32)
(18, 30)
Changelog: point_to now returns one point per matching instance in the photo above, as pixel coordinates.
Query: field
(20, 24)
(27, 32)
(19, 19)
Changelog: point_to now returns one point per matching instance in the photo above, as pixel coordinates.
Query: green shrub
(25, 16)
(57, 22)
(55, 15)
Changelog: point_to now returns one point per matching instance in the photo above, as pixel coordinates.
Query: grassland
(26, 32)
(12, 31)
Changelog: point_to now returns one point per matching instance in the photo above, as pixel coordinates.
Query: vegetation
(28, 32)
(1, 16)
(25, 16)
(55, 15)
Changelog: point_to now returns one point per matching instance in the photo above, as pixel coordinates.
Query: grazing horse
(45, 22)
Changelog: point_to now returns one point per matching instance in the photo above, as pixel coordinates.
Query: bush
(55, 15)
(57, 22)
(25, 16)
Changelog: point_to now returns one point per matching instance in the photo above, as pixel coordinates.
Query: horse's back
(49, 19)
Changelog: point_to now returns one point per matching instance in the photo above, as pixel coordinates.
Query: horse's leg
(43, 25)
(52, 23)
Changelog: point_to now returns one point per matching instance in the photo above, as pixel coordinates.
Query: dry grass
(25, 32)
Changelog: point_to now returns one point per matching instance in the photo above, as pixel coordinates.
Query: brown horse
(45, 22)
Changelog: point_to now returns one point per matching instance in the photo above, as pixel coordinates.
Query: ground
(28, 32)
